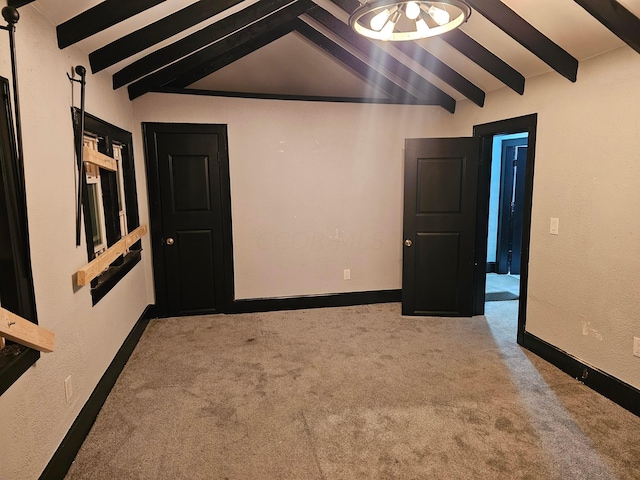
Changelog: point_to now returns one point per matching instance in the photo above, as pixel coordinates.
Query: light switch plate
(554, 226)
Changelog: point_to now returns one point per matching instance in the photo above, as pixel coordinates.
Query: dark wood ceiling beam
(195, 41)
(365, 71)
(156, 32)
(233, 54)
(442, 71)
(613, 15)
(526, 35)
(18, 3)
(379, 56)
(199, 61)
(484, 58)
(275, 96)
(430, 62)
(98, 18)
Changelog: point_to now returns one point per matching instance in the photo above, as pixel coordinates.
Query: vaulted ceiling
(304, 49)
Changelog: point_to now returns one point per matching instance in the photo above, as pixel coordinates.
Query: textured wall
(584, 284)
(33, 413)
(316, 188)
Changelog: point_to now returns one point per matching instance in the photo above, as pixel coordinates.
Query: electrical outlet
(68, 388)
(636, 346)
(347, 274)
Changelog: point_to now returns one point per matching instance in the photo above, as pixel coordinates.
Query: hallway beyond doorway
(502, 287)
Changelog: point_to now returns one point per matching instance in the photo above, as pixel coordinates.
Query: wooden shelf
(90, 155)
(96, 266)
(24, 332)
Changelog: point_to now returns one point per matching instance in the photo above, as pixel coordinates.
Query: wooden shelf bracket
(96, 266)
(94, 157)
(24, 332)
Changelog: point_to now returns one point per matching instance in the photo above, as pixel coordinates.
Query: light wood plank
(94, 268)
(24, 332)
(2, 343)
(90, 155)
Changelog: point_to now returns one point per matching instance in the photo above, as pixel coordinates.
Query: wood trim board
(15, 328)
(101, 160)
(95, 267)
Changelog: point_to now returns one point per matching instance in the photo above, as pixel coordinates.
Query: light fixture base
(404, 20)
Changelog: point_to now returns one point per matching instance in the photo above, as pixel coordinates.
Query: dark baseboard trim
(615, 390)
(62, 459)
(316, 301)
(492, 267)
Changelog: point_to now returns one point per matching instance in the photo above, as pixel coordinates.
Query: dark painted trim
(109, 133)
(116, 274)
(614, 389)
(613, 15)
(316, 301)
(430, 62)
(443, 71)
(525, 123)
(277, 96)
(98, 18)
(16, 279)
(487, 60)
(156, 32)
(18, 3)
(379, 57)
(14, 361)
(366, 72)
(526, 35)
(191, 43)
(62, 459)
(491, 267)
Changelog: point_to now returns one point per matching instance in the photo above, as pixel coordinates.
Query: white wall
(584, 284)
(34, 416)
(316, 188)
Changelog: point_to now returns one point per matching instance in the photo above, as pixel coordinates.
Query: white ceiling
(294, 66)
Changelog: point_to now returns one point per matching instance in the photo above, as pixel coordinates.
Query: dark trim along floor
(65, 454)
(316, 301)
(615, 390)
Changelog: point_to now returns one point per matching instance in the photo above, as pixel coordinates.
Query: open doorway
(506, 198)
(505, 189)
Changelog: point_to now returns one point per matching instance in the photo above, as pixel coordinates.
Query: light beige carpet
(352, 393)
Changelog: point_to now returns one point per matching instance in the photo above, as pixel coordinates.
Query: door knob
(408, 242)
(169, 241)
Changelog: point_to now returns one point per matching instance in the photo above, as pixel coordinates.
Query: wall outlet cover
(636, 346)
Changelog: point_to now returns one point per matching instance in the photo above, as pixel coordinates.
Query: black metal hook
(11, 15)
(80, 70)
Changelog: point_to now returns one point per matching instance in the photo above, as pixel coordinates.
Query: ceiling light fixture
(408, 20)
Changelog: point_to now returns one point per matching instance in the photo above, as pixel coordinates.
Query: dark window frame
(108, 135)
(16, 280)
